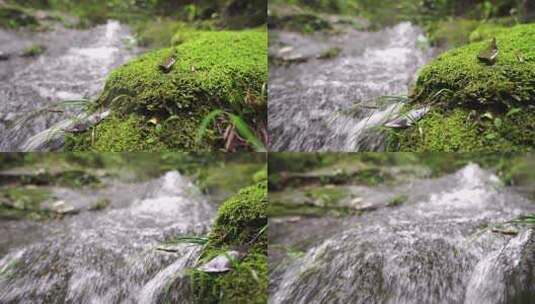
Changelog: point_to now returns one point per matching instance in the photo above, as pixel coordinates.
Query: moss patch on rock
(241, 220)
(476, 106)
(22, 202)
(215, 70)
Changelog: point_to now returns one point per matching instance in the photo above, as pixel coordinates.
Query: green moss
(476, 106)
(397, 200)
(470, 81)
(17, 202)
(462, 130)
(241, 219)
(133, 133)
(216, 70)
(33, 50)
(326, 196)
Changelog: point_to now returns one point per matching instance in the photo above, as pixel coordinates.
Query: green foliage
(241, 220)
(14, 17)
(33, 50)
(397, 200)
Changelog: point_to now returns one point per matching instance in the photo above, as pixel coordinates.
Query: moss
(476, 106)
(133, 133)
(397, 200)
(216, 70)
(330, 53)
(470, 81)
(14, 17)
(33, 50)
(462, 130)
(17, 202)
(326, 196)
(241, 219)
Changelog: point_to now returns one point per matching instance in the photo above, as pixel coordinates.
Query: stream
(438, 247)
(329, 104)
(74, 66)
(110, 255)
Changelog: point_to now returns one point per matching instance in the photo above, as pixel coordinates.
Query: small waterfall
(74, 66)
(432, 249)
(110, 256)
(308, 102)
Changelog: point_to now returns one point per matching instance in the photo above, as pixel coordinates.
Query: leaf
(497, 122)
(247, 133)
(490, 136)
(513, 111)
(203, 127)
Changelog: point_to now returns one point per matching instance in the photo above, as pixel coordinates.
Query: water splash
(429, 250)
(307, 101)
(74, 66)
(109, 256)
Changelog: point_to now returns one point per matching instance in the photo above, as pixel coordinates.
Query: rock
(359, 205)
(506, 275)
(4, 56)
(222, 263)
(63, 207)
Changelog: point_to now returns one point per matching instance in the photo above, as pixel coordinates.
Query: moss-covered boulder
(476, 106)
(241, 223)
(163, 109)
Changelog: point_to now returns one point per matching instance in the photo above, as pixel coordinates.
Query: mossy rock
(240, 220)
(511, 80)
(476, 106)
(460, 130)
(156, 110)
(13, 17)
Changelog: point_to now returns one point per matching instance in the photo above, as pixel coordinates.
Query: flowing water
(327, 104)
(432, 249)
(107, 256)
(74, 66)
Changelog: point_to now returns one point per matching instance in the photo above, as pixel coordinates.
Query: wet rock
(507, 275)
(4, 56)
(359, 204)
(63, 207)
(222, 262)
